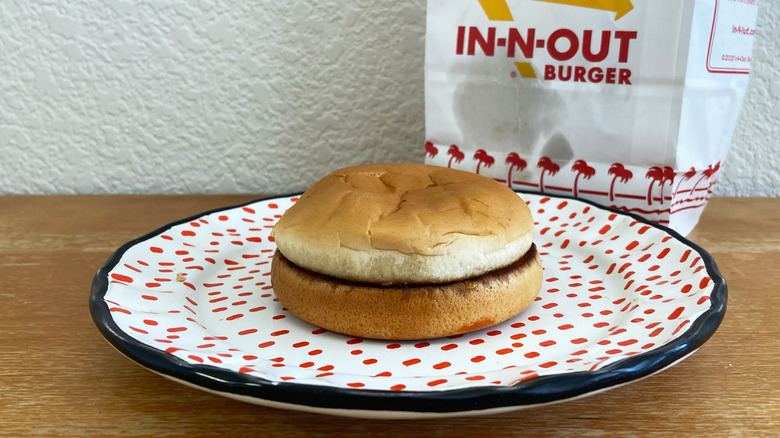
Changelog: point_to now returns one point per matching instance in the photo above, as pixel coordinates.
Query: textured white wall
(220, 97)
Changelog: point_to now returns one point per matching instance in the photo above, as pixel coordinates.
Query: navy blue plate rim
(535, 391)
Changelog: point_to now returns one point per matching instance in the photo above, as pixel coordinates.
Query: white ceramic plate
(622, 298)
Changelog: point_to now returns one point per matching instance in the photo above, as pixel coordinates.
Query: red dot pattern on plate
(201, 291)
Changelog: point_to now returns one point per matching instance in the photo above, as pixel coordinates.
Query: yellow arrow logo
(619, 7)
(496, 10)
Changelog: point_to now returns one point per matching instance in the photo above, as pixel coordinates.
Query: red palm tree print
(583, 170)
(547, 166)
(685, 176)
(714, 172)
(455, 154)
(656, 174)
(430, 149)
(515, 162)
(668, 177)
(618, 171)
(706, 173)
(482, 157)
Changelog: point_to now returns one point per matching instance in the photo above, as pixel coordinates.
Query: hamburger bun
(407, 312)
(405, 251)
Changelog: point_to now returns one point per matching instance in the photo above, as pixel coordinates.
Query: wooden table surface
(59, 377)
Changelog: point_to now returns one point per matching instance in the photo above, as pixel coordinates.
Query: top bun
(399, 223)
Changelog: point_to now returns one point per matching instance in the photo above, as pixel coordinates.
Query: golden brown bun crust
(407, 312)
(405, 223)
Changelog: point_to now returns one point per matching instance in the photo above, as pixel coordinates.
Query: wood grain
(60, 378)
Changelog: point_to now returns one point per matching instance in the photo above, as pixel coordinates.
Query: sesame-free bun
(403, 223)
(411, 311)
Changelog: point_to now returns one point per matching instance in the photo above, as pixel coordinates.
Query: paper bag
(629, 103)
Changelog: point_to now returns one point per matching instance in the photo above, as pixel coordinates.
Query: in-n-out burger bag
(629, 103)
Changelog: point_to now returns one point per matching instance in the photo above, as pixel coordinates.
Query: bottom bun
(407, 312)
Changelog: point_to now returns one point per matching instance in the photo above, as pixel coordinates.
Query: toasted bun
(405, 223)
(412, 311)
